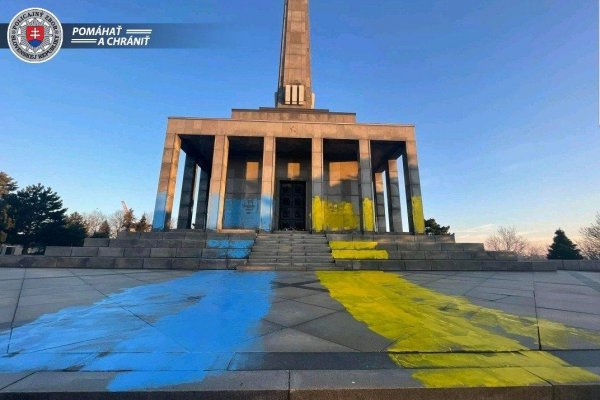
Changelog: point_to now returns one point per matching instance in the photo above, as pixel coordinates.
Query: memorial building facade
(291, 166)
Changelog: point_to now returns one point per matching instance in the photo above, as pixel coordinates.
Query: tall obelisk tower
(295, 84)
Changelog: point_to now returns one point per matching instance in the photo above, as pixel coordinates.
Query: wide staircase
(179, 249)
(404, 252)
(294, 251)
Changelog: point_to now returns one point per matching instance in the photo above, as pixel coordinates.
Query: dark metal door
(292, 205)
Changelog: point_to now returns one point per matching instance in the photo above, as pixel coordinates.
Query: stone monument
(292, 166)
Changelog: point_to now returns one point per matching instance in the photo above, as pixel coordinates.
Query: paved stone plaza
(299, 334)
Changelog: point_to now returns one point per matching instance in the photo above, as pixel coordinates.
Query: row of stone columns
(387, 191)
(211, 190)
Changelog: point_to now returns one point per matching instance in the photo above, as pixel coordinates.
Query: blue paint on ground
(152, 336)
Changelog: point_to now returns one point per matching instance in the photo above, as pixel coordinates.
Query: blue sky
(504, 94)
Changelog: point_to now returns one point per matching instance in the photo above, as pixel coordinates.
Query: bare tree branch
(590, 243)
(507, 239)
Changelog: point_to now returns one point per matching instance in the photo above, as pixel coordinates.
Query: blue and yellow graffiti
(171, 333)
(357, 250)
(452, 342)
(230, 248)
(178, 327)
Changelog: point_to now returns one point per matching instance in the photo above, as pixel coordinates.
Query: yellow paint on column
(318, 218)
(417, 319)
(368, 215)
(418, 215)
(340, 216)
(333, 216)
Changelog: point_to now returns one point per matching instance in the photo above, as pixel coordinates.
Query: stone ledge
(384, 384)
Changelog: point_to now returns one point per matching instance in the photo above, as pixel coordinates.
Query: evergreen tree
(433, 228)
(103, 231)
(142, 225)
(129, 222)
(72, 233)
(38, 216)
(563, 248)
(7, 186)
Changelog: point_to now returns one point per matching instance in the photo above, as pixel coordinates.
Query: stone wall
(242, 192)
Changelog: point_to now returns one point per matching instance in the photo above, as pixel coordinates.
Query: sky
(503, 93)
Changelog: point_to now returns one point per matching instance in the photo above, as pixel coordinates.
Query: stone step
(446, 265)
(416, 246)
(291, 233)
(151, 243)
(307, 240)
(292, 260)
(291, 249)
(185, 234)
(390, 237)
(284, 254)
(290, 246)
(451, 255)
(289, 267)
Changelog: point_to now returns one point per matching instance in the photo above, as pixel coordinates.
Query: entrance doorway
(292, 205)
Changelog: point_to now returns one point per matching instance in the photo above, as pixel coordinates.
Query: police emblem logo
(35, 35)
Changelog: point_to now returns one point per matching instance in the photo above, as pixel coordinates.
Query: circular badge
(35, 35)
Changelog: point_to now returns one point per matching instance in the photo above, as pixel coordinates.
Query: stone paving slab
(225, 334)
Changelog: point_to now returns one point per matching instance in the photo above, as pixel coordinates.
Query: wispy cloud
(475, 233)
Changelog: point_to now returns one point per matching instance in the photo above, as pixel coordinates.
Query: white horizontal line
(139, 30)
(84, 41)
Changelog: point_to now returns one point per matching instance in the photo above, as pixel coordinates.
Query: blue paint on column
(213, 211)
(157, 335)
(160, 211)
(266, 213)
(241, 213)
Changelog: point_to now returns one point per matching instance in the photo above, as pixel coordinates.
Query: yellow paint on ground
(421, 320)
(418, 215)
(369, 215)
(477, 377)
(360, 254)
(473, 360)
(348, 245)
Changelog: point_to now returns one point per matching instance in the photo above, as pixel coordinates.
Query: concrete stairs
(401, 252)
(294, 251)
(179, 249)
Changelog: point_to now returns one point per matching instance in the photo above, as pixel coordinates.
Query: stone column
(366, 186)
(165, 195)
(416, 219)
(202, 202)
(267, 185)
(380, 201)
(318, 188)
(218, 179)
(188, 186)
(393, 199)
